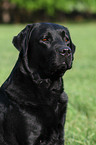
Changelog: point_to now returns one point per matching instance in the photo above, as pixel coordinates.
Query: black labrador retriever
(32, 100)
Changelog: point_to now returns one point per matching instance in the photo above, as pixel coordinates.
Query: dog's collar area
(39, 81)
(44, 83)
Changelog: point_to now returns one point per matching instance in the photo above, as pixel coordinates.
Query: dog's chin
(63, 68)
(65, 65)
(59, 71)
(56, 70)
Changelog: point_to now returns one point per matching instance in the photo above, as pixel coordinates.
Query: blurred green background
(22, 11)
(79, 82)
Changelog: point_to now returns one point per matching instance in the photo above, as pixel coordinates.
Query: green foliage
(50, 6)
(80, 81)
(47, 5)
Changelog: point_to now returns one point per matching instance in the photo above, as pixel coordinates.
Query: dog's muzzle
(65, 51)
(66, 54)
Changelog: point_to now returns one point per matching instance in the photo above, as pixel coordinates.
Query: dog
(33, 103)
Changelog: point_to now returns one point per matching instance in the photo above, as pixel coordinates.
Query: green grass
(80, 84)
(80, 81)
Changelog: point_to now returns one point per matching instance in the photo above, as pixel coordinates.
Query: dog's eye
(45, 39)
(66, 39)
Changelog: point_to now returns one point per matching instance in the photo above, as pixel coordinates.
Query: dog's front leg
(62, 116)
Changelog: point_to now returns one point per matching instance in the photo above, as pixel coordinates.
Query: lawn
(79, 82)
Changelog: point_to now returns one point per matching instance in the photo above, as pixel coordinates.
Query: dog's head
(47, 47)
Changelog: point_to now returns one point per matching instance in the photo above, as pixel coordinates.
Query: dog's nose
(65, 51)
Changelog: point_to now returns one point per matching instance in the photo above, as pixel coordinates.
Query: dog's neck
(21, 84)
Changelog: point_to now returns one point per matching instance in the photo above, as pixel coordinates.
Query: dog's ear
(73, 47)
(22, 39)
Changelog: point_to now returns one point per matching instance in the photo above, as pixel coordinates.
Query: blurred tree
(47, 5)
(50, 6)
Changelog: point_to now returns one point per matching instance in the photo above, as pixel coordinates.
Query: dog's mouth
(64, 66)
(57, 68)
(67, 62)
(58, 71)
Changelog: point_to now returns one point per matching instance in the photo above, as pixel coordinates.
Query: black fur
(32, 100)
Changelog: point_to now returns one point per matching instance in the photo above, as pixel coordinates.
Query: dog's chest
(33, 127)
